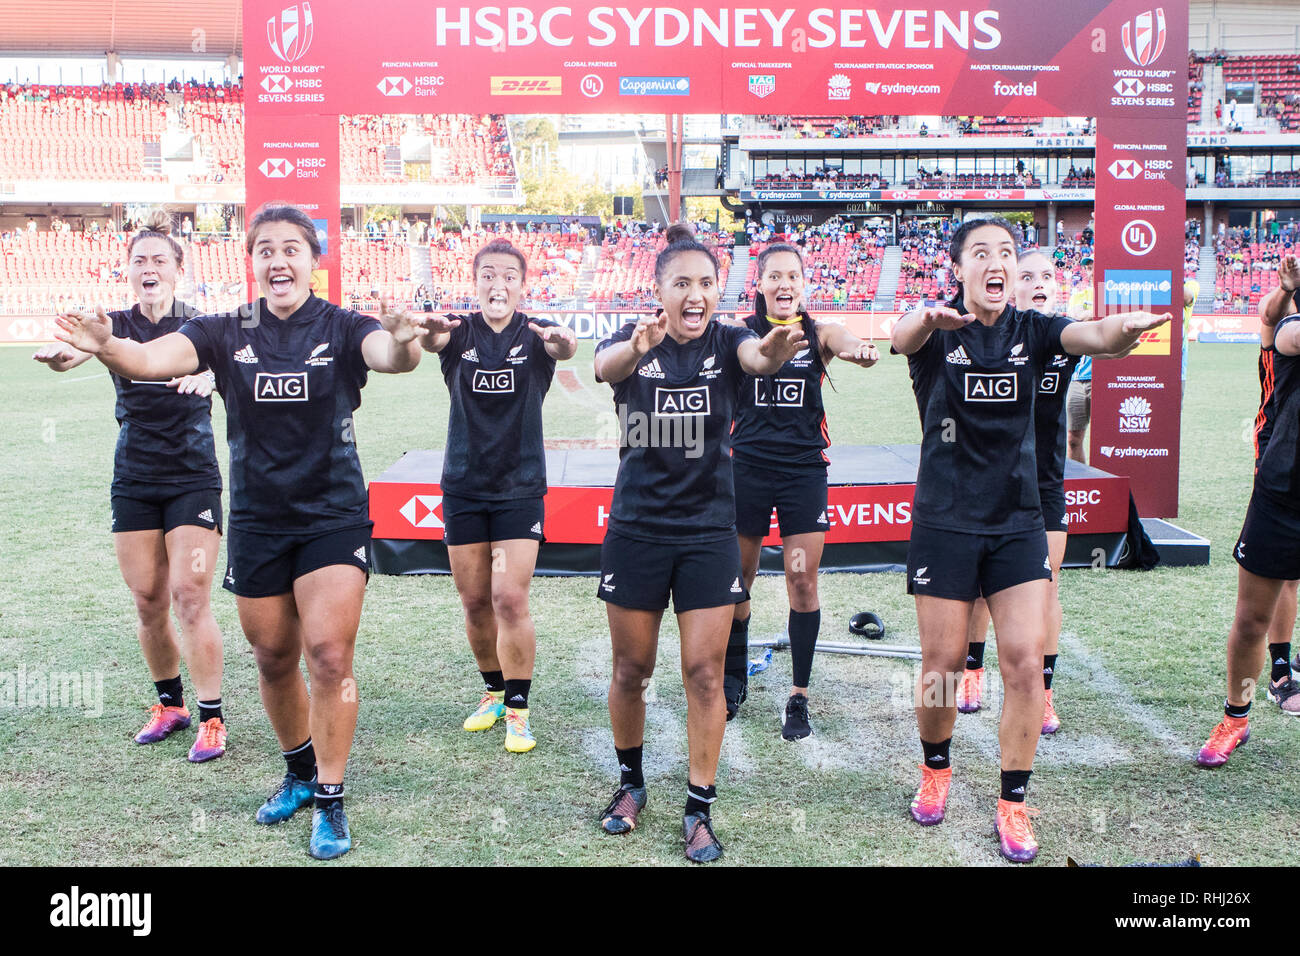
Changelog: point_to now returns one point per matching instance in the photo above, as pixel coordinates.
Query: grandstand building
(872, 197)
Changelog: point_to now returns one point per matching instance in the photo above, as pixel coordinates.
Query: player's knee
(329, 663)
(477, 604)
(191, 599)
(803, 591)
(1252, 622)
(703, 680)
(1019, 669)
(274, 662)
(510, 605)
(631, 674)
(152, 606)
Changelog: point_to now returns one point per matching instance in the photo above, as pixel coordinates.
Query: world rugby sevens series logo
(1144, 37)
(290, 33)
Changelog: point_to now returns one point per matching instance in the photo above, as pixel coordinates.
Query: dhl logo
(1154, 342)
(526, 85)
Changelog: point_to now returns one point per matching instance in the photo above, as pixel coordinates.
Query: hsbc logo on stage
(678, 402)
(290, 33)
(1138, 237)
(277, 83)
(395, 86)
(275, 168)
(1144, 37)
(1125, 169)
(419, 511)
(991, 387)
(762, 85)
(1129, 88)
(1134, 416)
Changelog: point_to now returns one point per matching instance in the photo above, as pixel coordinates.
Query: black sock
(1280, 655)
(737, 662)
(1014, 785)
(517, 693)
(700, 799)
(936, 755)
(975, 656)
(209, 709)
(494, 681)
(301, 760)
(1236, 710)
(327, 793)
(803, 627)
(169, 692)
(629, 766)
(1049, 670)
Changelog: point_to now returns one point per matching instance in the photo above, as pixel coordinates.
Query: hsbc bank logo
(275, 168)
(680, 402)
(1144, 37)
(290, 33)
(1125, 169)
(419, 511)
(1129, 88)
(394, 86)
(992, 387)
(277, 83)
(1138, 237)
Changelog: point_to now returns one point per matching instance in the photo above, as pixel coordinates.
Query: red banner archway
(1122, 62)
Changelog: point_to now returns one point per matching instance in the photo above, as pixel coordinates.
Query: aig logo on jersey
(499, 382)
(280, 387)
(1049, 383)
(991, 387)
(670, 402)
(785, 393)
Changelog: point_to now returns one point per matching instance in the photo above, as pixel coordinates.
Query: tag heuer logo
(762, 85)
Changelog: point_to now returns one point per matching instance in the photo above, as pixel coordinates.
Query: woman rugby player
(166, 498)
(290, 368)
(498, 364)
(1268, 551)
(779, 443)
(977, 523)
(672, 526)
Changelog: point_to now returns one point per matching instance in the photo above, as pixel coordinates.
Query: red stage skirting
(870, 503)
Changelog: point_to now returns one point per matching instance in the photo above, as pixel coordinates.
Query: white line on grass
(81, 378)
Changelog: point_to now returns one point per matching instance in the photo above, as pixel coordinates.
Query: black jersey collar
(304, 313)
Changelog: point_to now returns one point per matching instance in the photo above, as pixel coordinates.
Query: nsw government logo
(1134, 416)
(290, 33)
(762, 84)
(838, 87)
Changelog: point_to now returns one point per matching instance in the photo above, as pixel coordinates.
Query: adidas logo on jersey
(246, 356)
(651, 370)
(821, 519)
(736, 588)
(206, 515)
(958, 356)
(536, 528)
(919, 577)
(605, 585)
(360, 553)
(470, 355)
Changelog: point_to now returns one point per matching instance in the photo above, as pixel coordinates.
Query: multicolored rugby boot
(490, 709)
(519, 737)
(162, 722)
(1051, 723)
(932, 797)
(1229, 734)
(621, 814)
(1015, 836)
(970, 692)
(211, 741)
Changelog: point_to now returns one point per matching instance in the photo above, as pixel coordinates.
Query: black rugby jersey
(675, 410)
(975, 389)
(497, 382)
(290, 387)
(1279, 462)
(1049, 420)
(1267, 406)
(164, 438)
(780, 420)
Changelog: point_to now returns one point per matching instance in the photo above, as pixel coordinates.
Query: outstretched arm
(913, 330)
(838, 341)
(394, 348)
(1113, 335)
(164, 358)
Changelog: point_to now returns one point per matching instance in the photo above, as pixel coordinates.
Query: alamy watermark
(23, 689)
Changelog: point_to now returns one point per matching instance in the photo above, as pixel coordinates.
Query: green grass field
(1140, 684)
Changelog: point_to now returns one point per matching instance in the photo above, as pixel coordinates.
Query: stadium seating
(854, 259)
(1278, 80)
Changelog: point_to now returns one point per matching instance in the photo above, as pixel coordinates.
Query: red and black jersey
(780, 420)
(1267, 383)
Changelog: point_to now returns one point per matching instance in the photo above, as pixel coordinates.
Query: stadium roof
(155, 28)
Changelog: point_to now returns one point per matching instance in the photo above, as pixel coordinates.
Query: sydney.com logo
(654, 86)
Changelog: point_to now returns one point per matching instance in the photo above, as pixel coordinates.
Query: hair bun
(680, 232)
(158, 221)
